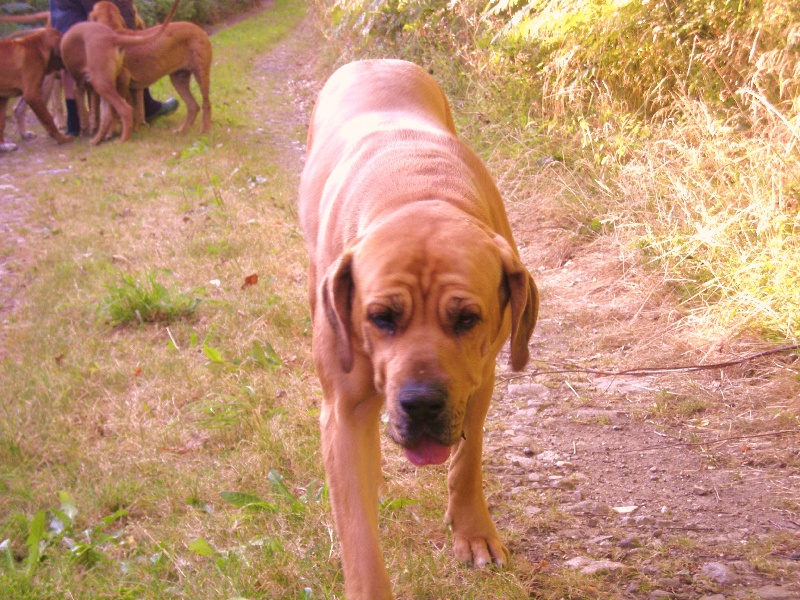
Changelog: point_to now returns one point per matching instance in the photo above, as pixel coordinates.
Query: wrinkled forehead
(432, 260)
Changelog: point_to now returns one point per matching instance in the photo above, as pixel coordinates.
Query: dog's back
(392, 112)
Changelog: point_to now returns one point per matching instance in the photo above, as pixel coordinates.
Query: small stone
(601, 540)
(587, 566)
(659, 594)
(532, 511)
(625, 510)
(718, 572)
(700, 491)
(589, 507)
(547, 456)
(629, 542)
(578, 562)
(633, 587)
(670, 582)
(777, 592)
(714, 597)
(535, 390)
(577, 496)
(564, 483)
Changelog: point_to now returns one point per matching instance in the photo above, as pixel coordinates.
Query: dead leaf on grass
(250, 280)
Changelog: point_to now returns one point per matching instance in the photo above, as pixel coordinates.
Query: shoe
(167, 107)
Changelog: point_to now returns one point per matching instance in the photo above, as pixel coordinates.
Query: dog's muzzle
(422, 423)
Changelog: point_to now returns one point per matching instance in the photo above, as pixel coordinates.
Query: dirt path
(566, 450)
(680, 485)
(672, 486)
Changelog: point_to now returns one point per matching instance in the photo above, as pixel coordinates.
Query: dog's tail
(36, 17)
(131, 39)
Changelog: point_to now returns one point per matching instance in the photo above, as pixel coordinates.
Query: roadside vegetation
(675, 126)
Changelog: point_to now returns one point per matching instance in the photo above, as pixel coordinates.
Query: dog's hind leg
(181, 80)
(3, 146)
(19, 115)
(56, 100)
(203, 77)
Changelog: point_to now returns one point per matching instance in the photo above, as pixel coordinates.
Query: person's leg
(73, 120)
(64, 15)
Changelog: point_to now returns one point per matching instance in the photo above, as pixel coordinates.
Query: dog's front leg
(475, 538)
(351, 450)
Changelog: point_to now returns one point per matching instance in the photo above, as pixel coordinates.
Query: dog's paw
(7, 147)
(480, 551)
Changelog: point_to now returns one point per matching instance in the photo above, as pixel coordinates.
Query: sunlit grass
(700, 181)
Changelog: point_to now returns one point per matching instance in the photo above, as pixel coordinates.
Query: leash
(645, 371)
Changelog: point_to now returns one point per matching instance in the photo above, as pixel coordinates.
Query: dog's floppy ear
(524, 300)
(337, 300)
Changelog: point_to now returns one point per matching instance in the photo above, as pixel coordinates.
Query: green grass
(149, 426)
(179, 457)
(676, 131)
(146, 301)
(186, 444)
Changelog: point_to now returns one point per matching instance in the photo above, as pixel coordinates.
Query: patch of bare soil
(40, 158)
(667, 485)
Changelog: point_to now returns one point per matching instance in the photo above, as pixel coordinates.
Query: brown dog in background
(184, 51)
(52, 94)
(415, 284)
(24, 63)
(93, 54)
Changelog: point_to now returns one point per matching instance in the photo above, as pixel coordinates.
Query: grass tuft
(145, 300)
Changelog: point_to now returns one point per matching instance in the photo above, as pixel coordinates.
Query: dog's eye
(385, 320)
(466, 321)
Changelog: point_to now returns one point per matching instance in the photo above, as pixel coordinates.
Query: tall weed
(677, 122)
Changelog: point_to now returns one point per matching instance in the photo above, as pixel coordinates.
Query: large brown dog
(51, 84)
(24, 62)
(184, 51)
(93, 54)
(415, 284)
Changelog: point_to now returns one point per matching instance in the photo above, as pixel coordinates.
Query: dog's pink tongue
(427, 452)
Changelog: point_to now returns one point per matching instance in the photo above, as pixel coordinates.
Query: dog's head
(429, 298)
(107, 13)
(52, 40)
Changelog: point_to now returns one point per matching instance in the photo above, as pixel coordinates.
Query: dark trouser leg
(73, 121)
(151, 105)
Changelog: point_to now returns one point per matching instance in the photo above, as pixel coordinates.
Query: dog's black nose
(423, 400)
